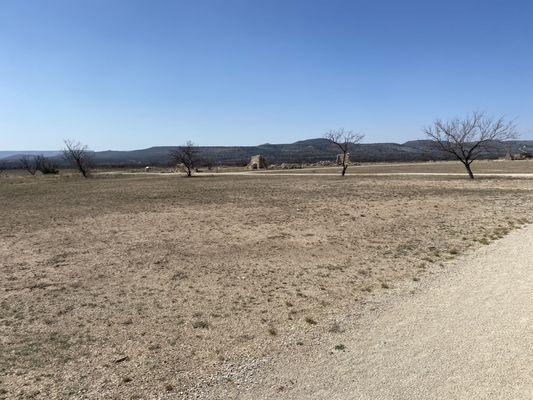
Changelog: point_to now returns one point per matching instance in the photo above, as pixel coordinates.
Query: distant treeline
(306, 151)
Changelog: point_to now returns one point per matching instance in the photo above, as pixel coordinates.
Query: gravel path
(277, 173)
(525, 175)
(467, 335)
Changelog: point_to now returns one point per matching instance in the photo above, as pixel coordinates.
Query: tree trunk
(344, 168)
(469, 170)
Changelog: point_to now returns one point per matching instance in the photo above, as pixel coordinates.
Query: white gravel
(467, 334)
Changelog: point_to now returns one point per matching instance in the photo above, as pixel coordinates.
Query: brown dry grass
(145, 286)
(440, 167)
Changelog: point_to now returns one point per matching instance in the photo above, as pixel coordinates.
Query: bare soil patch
(146, 287)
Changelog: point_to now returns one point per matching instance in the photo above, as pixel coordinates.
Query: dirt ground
(465, 334)
(146, 286)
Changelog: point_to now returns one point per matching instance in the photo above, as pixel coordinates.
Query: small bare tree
(79, 156)
(344, 140)
(45, 165)
(29, 163)
(186, 157)
(469, 137)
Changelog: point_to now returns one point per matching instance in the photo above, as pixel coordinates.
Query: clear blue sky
(125, 74)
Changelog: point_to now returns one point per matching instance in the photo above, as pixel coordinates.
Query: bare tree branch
(469, 137)
(79, 156)
(45, 165)
(344, 140)
(29, 163)
(186, 157)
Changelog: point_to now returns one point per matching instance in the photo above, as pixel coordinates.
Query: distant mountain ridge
(303, 151)
(16, 154)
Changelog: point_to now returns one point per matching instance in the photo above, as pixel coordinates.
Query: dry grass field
(147, 286)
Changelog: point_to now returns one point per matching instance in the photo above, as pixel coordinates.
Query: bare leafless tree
(344, 140)
(469, 137)
(79, 156)
(186, 157)
(29, 163)
(45, 165)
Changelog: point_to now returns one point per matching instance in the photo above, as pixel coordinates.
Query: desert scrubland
(147, 286)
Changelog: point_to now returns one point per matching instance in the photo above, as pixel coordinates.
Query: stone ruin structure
(257, 162)
(523, 155)
(340, 156)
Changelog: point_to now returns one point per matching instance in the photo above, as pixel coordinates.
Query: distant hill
(307, 151)
(16, 154)
(312, 150)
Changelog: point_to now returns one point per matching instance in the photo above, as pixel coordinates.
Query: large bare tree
(79, 156)
(186, 157)
(344, 140)
(469, 137)
(29, 163)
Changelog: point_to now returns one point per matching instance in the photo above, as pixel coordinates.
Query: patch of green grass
(336, 328)
(169, 387)
(200, 324)
(32, 352)
(484, 241)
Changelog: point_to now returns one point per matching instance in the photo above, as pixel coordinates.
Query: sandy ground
(482, 168)
(467, 335)
(303, 173)
(152, 286)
